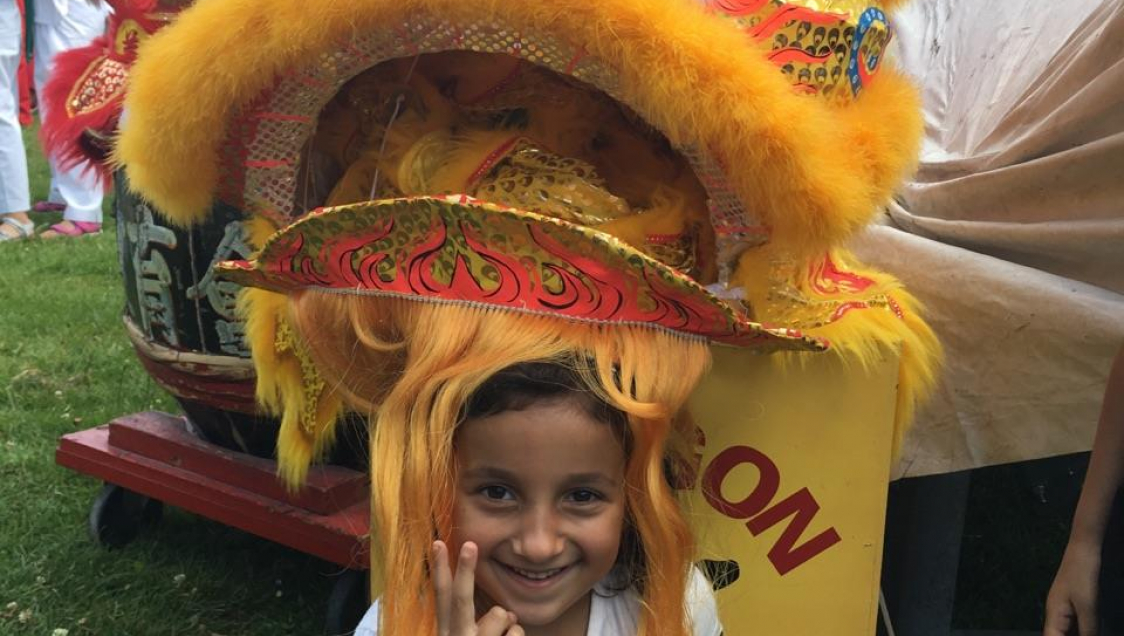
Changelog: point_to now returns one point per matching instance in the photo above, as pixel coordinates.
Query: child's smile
(540, 492)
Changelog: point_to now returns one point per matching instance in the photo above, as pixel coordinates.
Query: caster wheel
(348, 603)
(117, 515)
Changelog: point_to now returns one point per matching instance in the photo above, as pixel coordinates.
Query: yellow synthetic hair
(813, 171)
(412, 366)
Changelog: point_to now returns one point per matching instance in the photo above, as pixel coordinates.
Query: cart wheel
(347, 604)
(117, 515)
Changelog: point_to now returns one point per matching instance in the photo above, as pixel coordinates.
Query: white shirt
(616, 613)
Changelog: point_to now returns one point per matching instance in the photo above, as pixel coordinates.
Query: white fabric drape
(1012, 230)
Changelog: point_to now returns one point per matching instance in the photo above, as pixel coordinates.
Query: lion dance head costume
(439, 190)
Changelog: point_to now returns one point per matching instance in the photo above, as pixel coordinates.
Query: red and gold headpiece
(683, 166)
(456, 249)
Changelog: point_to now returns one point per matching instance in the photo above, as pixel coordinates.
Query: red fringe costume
(87, 87)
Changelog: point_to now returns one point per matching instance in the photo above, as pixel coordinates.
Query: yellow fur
(860, 336)
(279, 379)
(813, 171)
(281, 387)
(260, 229)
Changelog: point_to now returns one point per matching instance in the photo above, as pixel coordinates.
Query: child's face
(541, 493)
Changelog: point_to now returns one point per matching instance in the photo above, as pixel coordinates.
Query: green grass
(66, 365)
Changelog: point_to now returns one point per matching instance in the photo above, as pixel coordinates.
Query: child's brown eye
(496, 492)
(584, 495)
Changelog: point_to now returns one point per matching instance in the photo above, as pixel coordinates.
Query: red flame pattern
(461, 250)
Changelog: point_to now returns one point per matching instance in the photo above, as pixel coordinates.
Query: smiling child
(540, 517)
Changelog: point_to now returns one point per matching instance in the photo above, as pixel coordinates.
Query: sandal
(24, 229)
(71, 229)
(48, 206)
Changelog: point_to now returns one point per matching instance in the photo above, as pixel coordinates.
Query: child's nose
(539, 538)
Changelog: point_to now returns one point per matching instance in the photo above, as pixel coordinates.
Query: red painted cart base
(155, 455)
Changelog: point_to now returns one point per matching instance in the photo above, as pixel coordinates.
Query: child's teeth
(538, 576)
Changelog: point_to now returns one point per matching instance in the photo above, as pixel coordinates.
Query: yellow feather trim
(813, 171)
(887, 317)
(288, 386)
(258, 230)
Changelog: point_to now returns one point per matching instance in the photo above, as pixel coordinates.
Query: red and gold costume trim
(461, 250)
(86, 91)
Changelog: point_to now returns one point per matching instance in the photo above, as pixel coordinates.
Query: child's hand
(456, 609)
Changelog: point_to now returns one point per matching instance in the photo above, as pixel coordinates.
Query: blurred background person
(14, 197)
(61, 25)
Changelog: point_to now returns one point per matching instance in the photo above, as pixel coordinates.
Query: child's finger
(464, 588)
(497, 622)
(442, 587)
(515, 630)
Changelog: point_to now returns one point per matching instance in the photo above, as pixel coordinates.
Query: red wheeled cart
(149, 459)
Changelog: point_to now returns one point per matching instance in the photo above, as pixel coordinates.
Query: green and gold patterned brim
(456, 249)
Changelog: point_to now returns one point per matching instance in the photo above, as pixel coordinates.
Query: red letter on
(785, 554)
(768, 482)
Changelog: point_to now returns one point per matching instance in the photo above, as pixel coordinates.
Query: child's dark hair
(520, 386)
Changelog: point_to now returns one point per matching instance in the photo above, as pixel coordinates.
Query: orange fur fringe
(815, 172)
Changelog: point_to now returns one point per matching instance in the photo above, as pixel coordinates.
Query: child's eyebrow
(500, 474)
(489, 472)
(600, 479)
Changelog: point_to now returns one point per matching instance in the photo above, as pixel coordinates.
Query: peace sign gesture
(456, 607)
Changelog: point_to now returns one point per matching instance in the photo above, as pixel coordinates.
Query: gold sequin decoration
(312, 384)
(679, 251)
(98, 86)
(533, 179)
(811, 42)
(792, 300)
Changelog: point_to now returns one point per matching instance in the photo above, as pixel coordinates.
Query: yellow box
(792, 487)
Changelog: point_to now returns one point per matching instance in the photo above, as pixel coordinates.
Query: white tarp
(1012, 230)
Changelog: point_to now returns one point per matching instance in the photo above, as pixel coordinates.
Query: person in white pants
(14, 198)
(61, 25)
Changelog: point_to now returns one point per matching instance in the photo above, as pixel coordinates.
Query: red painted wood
(165, 438)
(230, 395)
(340, 537)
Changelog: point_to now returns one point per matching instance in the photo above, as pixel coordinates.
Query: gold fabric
(313, 385)
(508, 132)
